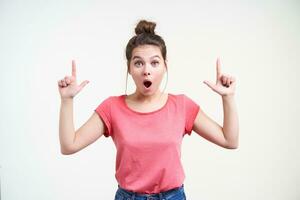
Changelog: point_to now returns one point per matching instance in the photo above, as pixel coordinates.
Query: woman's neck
(139, 97)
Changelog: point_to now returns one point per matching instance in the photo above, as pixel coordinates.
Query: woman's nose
(147, 70)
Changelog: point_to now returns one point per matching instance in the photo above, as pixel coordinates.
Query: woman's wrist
(228, 97)
(66, 100)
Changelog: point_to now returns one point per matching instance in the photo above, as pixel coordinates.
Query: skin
(147, 63)
(226, 136)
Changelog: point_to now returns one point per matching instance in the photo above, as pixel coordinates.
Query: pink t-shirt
(148, 144)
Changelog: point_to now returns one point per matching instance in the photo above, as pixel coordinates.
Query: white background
(258, 42)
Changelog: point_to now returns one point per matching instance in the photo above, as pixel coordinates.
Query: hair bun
(145, 27)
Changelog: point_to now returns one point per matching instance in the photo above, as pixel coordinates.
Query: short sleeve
(191, 110)
(104, 112)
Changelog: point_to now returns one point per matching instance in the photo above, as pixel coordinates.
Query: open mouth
(147, 84)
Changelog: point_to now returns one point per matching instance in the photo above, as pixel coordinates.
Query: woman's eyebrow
(155, 56)
(135, 57)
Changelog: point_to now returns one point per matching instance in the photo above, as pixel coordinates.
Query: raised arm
(72, 141)
(228, 135)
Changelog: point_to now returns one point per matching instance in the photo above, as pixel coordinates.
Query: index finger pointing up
(218, 68)
(73, 68)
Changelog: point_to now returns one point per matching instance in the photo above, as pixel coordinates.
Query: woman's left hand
(225, 85)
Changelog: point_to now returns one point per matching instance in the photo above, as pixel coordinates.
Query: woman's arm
(66, 126)
(228, 135)
(71, 141)
(230, 123)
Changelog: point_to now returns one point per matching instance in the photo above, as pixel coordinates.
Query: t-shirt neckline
(123, 98)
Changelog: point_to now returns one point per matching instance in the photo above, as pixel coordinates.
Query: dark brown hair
(145, 35)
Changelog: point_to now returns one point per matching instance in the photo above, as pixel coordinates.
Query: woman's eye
(155, 63)
(138, 63)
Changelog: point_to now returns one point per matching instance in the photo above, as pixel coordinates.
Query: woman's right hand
(68, 86)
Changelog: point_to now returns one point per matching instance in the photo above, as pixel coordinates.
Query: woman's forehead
(146, 52)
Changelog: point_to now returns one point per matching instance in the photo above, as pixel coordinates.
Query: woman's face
(147, 68)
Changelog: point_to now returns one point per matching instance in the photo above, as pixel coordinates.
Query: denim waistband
(160, 194)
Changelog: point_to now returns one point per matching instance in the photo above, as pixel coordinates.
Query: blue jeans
(173, 194)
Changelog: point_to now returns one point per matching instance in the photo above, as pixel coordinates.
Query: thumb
(84, 83)
(209, 84)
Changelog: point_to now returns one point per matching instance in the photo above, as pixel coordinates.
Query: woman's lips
(147, 83)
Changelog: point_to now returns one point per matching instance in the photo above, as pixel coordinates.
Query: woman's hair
(145, 35)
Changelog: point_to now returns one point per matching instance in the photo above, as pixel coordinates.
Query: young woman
(147, 127)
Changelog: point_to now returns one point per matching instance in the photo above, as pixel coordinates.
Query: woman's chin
(147, 91)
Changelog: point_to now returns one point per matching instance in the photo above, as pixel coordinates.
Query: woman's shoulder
(111, 99)
(181, 97)
(177, 96)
